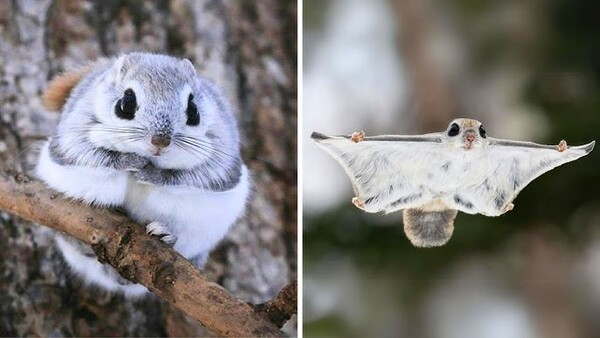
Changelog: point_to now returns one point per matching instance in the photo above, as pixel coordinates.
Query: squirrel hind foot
(162, 232)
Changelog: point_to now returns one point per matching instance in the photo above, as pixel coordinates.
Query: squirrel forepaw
(148, 175)
(562, 146)
(358, 203)
(357, 136)
(160, 230)
(508, 207)
(132, 162)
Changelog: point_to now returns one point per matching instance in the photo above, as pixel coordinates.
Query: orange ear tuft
(60, 87)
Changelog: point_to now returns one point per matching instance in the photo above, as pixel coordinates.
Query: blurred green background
(528, 70)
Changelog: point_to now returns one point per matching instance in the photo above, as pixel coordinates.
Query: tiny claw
(358, 203)
(169, 240)
(357, 136)
(161, 231)
(508, 207)
(562, 146)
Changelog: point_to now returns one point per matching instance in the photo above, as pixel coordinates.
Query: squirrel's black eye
(454, 129)
(193, 118)
(482, 132)
(126, 106)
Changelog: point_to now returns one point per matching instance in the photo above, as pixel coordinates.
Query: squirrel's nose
(470, 137)
(161, 141)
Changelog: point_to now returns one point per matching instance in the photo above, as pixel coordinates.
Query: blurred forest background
(249, 49)
(528, 70)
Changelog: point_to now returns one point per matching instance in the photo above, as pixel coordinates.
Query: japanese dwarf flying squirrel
(145, 133)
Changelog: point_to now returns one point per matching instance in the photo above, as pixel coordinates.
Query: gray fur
(428, 228)
(500, 200)
(370, 199)
(58, 156)
(463, 202)
(406, 199)
(196, 177)
(99, 157)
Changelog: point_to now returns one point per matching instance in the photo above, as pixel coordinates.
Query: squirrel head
(467, 134)
(158, 107)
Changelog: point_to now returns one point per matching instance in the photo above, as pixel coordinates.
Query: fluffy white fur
(198, 218)
(97, 186)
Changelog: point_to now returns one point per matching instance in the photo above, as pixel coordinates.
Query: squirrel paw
(132, 162)
(508, 207)
(562, 146)
(357, 136)
(149, 175)
(358, 203)
(161, 231)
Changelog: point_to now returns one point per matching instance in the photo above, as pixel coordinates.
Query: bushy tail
(428, 228)
(60, 88)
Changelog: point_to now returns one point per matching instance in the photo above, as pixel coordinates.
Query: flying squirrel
(433, 176)
(145, 133)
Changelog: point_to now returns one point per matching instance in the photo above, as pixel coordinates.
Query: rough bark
(247, 48)
(281, 308)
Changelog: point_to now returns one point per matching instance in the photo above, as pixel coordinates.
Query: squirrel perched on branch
(145, 133)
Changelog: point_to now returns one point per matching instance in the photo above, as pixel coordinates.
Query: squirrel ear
(188, 65)
(123, 63)
(119, 68)
(58, 90)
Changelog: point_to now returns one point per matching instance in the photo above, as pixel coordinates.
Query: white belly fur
(197, 217)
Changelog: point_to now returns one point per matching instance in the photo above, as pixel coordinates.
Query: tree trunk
(249, 49)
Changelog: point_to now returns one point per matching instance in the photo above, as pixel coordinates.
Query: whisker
(205, 144)
(109, 129)
(196, 151)
(207, 151)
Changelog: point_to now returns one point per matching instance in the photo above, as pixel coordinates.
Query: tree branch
(136, 256)
(281, 308)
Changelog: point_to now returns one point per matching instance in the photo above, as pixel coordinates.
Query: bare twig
(138, 257)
